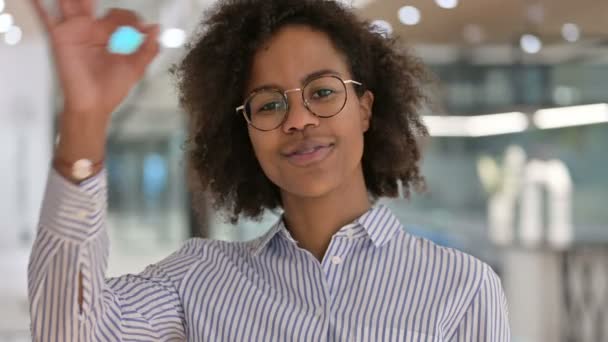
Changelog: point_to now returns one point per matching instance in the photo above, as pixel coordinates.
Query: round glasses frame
(241, 108)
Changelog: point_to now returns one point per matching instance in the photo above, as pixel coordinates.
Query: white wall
(25, 149)
(25, 137)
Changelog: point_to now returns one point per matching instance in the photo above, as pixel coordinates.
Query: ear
(366, 102)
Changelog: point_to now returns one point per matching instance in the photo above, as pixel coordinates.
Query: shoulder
(433, 252)
(195, 254)
(458, 281)
(204, 248)
(459, 274)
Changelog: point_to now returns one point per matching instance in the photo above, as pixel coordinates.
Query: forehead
(293, 53)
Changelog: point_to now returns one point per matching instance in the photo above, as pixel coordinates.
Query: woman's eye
(322, 93)
(271, 106)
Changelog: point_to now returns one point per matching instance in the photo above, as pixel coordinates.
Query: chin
(309, 189)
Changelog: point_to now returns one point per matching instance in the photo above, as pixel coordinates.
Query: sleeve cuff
(74, 212)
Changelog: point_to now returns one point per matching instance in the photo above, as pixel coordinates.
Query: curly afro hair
(214, 73)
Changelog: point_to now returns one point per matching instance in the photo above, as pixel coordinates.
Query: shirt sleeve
(72, 240)
(487, 317)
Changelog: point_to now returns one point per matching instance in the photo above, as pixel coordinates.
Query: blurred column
(532, 281)
(533, 240)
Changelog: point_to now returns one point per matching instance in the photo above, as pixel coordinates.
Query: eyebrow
(303, 81)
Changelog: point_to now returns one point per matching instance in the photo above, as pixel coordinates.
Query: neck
(312, 221)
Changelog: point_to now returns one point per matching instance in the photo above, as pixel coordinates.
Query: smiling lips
(308, 152)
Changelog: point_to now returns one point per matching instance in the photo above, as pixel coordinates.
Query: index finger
(75, 8)
(46, 19)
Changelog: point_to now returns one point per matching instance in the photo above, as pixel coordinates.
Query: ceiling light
(571, 32)
(571, 116)
(409, 15)
(530, 43)
(173, 38)
(476, 126)
(448, 4)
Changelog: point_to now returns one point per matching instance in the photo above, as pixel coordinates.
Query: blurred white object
(566, 96)
(476, 126)
(6, 22)
(571, 116)
(173, 38)
(356, 3)
(523, 182)
(447, 4)
(571, 32)
(530, 43)
(489, 174)
(2, 5)
(383, 27)
(503, 198)
(13, 36)
(554, 176)
(409, 15)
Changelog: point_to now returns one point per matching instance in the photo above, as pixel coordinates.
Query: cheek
(353, 127)
(264, 149)
(355, 147)
(354, 139)
(257, 143)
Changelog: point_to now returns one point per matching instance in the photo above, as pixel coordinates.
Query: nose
(298, 116)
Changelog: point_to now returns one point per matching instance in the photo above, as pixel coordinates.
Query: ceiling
(502, 21)
(439, 37)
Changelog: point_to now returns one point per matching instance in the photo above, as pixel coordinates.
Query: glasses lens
(266, 109)
(325, 96)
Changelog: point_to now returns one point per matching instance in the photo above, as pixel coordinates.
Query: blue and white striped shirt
(375, 283)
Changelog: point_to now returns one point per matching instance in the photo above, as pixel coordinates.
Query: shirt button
(336, 260)
(82, 214)
(350, 233)
(319, 312)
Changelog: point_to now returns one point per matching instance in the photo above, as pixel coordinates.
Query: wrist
(79, 170)
(80, 137)
(80, 146)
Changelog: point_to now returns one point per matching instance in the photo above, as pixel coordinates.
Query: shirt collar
(379, 224)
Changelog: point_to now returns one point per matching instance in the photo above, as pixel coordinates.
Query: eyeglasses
(267, 109)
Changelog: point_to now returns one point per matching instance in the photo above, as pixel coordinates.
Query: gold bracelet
(80, 169)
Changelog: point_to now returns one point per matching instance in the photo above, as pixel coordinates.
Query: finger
(88, 7)
(122, 17)
(75, 8)
(119, 17)
(46, 19)
(148, 50)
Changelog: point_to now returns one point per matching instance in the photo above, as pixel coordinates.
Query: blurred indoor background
(516, 164)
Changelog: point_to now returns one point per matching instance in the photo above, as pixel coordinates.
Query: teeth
(307, 151)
